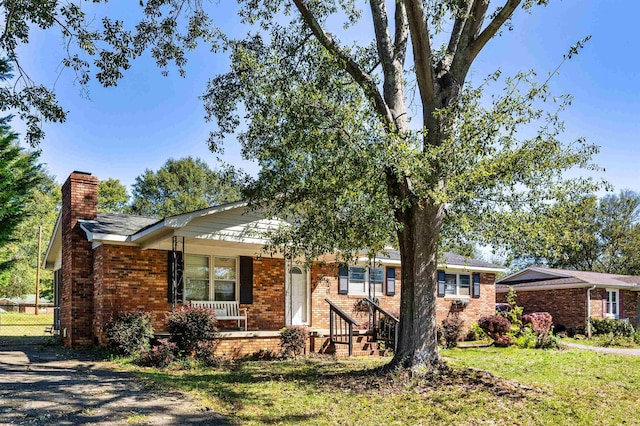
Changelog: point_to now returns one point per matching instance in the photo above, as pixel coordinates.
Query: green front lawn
(530, 387)
(23, 324)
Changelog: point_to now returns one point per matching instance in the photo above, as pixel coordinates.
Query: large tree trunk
(418, 240)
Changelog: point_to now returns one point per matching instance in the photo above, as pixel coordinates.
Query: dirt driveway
(41, 386)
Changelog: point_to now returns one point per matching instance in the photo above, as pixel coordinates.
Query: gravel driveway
(41, 386)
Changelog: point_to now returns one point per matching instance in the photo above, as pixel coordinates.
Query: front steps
(361, 347)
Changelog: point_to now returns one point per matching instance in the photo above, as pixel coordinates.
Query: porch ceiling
(206, 246)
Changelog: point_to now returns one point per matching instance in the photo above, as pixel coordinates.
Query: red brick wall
(267, 310)
(630, 306)
(324, 284)
(128, 279)
(242, 346)
(568, 306)
(477, 308)
(79, 195)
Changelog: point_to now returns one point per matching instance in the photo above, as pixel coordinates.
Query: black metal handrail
(384, 326)
(340, 326)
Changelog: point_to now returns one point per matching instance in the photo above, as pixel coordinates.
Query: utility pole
(38, 269)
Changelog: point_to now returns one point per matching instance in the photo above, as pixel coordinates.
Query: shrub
(540, 322)
(497, 327)
(293, 341)
(636, 336)
(618, 328)
(129, 332)
(205, 353)
(526, 339)
(452, 330)
(263, 355)
(475, 333)
(514, 314)
(159, 356)
(189, 326)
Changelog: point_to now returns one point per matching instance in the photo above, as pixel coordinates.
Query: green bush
(618, 328)
(129, 332)
(452, 330)
(475, 333)
(190, 326)
(636, 336)
(159, 356)
(527, 338)
(293, 341)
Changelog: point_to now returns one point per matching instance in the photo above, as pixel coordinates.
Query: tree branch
(421, 42)
(505, 13)
(401, 33)
(363, 79)
(459, 51)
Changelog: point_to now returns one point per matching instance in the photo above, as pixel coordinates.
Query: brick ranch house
(571, 297)
(110, 263)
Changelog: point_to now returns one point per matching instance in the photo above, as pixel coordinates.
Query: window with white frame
(361, 277)
(210, 278)
(612, 303)
(357, 279)
(457, 285)
(376, 279)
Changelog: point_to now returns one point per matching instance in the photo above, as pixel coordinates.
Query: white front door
(298, 294)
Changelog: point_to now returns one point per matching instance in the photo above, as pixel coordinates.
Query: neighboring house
(27, 304)
(110, 263)
(564, 294)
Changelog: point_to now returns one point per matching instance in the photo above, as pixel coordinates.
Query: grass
(23, 324)
(525, 387)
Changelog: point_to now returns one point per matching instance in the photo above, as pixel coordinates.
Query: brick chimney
(79, 201)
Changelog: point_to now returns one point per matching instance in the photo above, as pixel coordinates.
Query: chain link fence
(22, 321)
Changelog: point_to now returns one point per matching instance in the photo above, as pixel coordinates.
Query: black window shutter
(343, 279)
(246, 280)
(176, 271)
(391, 281)
(476, 285)
(440, 283)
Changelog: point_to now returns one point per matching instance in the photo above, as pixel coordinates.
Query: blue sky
(119, 132)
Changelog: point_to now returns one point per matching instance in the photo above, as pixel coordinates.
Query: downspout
(589, 311)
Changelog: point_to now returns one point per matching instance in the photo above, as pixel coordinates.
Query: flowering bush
(540, 322)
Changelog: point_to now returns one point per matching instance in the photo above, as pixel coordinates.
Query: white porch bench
(224, 310)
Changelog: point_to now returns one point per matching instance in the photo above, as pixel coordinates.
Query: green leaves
(112, 196)
(184, 185)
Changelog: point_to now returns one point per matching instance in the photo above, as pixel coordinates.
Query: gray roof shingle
(118, 224)
(449, 258)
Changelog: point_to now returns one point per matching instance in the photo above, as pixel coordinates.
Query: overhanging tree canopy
(331, 124)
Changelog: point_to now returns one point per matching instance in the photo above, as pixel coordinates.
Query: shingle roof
(449, 258)
(118, 224)
(565, 276)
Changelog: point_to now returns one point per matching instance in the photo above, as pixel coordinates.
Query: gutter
(588, 322)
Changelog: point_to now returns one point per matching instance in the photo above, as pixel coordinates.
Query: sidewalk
(617, 351)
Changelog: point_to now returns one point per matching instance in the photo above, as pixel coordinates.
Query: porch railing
(384, 326)
(340, 326)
